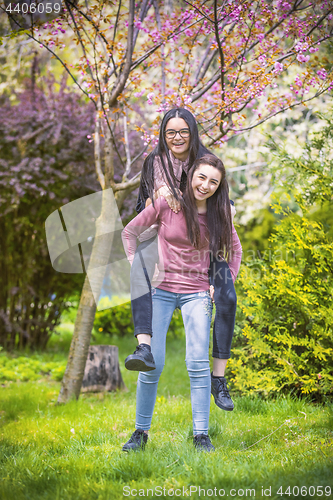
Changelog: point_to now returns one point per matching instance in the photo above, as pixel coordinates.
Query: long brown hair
(219, 220)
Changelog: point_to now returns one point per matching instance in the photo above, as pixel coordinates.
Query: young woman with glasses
(203, 227)
(164, 173)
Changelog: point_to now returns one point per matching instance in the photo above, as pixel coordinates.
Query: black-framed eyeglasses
(171, 134)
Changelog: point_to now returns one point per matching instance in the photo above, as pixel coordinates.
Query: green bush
(25, 368)
(289, 292)
(116, 319)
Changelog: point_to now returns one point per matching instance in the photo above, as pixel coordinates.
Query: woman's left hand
(211, 291)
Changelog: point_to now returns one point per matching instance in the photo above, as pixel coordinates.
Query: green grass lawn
(74, 451)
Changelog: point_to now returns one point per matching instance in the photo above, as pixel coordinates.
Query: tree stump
(102, 372)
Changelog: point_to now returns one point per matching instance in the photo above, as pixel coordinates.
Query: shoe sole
(138, 365)
(205, 450)
(221, 406)
(133, 450)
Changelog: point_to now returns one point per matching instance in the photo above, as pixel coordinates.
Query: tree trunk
(71, 383)
(102, 371)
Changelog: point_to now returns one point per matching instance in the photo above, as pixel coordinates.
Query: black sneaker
(219, 389)
(141, 360)
(137, 441)
(202, 443)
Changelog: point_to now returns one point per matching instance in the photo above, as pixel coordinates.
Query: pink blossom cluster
(322, 73)
(235, 13)
(301, 47)
(149, 139)
(302, 59)
(163, 107)
(140, 26)
(262, 60)
(278, 68)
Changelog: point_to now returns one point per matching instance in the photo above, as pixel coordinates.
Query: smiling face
(179, 146)
(206, 179)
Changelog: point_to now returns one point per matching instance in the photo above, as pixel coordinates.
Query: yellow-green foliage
(290, 314)
(25, 368)
(289, 292)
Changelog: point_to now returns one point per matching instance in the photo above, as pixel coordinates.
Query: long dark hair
(219, 220)
(196, 150)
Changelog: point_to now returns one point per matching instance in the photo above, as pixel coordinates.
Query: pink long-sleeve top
(182, 268)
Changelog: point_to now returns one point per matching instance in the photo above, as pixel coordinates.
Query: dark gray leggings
(225, 298)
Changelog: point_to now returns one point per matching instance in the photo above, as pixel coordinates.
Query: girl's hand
(169, 198)
(211, 291)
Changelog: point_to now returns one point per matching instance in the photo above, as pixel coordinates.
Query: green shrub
(116, 320)
(289, 292)
(289, 315)
(24, 368)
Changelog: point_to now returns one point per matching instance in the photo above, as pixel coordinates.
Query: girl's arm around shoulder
(149, 216)
(236, 256)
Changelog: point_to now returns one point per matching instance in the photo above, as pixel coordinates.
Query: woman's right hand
(169, 198)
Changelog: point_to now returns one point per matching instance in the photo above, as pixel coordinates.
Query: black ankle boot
(141, 360)
(220, 391)
(137, 441)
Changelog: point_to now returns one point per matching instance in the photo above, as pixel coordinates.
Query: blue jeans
(196, 310)
(142, 271)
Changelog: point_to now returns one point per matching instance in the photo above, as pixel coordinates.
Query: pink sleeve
(236, 257)
(138, 225)
(159, 174)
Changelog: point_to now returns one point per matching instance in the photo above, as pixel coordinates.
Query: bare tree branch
(246, 167)
(143, 12)
(158, 19)
(78, 34)
(116, 24)
(63, 64)
(97, 148)
(139, 155)
(121, 80)
(128, 185)
(204, 64)
(319, 22)
(217, 37)
(127, 149)
(108, 156)
(88, 18)
(199, 11)
(267, 117)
